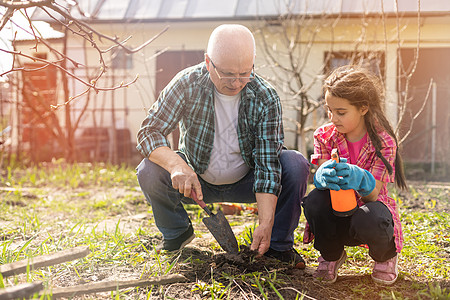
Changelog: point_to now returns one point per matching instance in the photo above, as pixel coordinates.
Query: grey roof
(192, 10)
(41, 29)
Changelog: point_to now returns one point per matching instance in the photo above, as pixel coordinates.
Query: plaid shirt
(188, 101)
(327, 137)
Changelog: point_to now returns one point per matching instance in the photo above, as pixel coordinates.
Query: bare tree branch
(84, 30)
(90, 85)
(44, 113)
(417, 114)
(403, 98)
(16, 5)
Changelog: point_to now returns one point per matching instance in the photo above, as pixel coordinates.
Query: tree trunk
(69, 151)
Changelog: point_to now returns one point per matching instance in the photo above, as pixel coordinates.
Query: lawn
(55, 206)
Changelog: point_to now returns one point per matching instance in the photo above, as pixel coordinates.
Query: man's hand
(184, 179)
(261, 238)
(266, 213)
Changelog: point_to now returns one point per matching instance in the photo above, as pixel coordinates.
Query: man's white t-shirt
(226, 165)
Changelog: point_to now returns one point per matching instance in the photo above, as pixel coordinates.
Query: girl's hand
(355, 178)
(326, 177)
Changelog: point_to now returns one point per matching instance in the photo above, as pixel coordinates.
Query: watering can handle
(335, 155)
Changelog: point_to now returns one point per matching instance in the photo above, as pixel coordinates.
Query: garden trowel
(219, 227)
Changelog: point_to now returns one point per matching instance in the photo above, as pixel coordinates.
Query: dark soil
(239, 271)
(210, 272)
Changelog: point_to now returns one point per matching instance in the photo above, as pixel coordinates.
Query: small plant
(436, 292)
(214, 290)
(246, 238)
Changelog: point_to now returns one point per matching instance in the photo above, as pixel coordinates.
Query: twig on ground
(107, 286)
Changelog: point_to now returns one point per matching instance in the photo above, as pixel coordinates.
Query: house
(407, 45)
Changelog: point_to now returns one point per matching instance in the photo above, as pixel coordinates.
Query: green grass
(51, 207)
(425, 235)
(65, 175)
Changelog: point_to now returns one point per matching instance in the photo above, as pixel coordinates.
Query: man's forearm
(266, 208)
(266, 213)
(167, 159)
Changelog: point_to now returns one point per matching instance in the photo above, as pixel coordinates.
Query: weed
(246, 238)
(214, 290)
(436, 292)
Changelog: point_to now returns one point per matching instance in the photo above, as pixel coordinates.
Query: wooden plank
(24, 290)
(44, 260)
(107, 286)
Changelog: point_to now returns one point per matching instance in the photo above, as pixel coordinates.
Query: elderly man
(231, 148)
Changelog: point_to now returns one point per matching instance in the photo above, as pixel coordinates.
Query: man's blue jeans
(171, 217)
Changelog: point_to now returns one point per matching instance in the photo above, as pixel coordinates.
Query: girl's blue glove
(356, 178)
(326, 176)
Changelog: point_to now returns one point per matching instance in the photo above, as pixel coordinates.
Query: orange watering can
(343, 202)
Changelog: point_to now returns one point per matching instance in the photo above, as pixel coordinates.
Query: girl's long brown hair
(362, 88)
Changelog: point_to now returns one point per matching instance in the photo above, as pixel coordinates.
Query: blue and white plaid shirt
(188, 100)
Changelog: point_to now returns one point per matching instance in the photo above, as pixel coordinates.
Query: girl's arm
(320, 162)
(373, 196)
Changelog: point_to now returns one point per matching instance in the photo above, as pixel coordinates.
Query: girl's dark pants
(371, 224)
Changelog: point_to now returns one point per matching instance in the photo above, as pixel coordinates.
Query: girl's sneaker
(327, 270)
(386, 272)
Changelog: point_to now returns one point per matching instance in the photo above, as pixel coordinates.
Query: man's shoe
(289, 256)
(386, 272)
(178, 243)
(327, 270)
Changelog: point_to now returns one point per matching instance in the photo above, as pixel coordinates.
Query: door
(168, 64)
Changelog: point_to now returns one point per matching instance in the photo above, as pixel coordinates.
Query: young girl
(367, 146)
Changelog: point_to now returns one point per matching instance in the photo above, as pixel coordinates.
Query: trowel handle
(201, 203)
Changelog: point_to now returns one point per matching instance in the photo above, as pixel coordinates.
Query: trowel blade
(218, 225)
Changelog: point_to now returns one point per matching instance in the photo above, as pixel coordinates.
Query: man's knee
(149, 174)
(294, 165)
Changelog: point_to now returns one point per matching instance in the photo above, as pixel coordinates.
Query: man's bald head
(231, 40)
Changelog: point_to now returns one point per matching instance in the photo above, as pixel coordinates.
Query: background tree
(287, 44)
(44, 111)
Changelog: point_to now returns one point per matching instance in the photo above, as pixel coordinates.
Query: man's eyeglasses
(242, 79)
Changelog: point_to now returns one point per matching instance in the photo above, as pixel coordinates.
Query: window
(371, 60)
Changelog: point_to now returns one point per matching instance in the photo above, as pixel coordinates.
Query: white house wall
(140, 95)
(194, 36)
